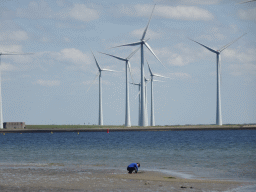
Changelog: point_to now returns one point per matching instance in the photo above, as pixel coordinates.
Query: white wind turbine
(146, 110)
(217, 52)
(139, 114)
(152, 119)
(142, 95)
(127, 103)
(146, 101)
(100, 90)
(1, 108)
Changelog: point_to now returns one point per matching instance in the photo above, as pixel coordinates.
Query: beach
(58, 178)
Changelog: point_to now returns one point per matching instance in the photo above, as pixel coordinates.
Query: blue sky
(51, 86)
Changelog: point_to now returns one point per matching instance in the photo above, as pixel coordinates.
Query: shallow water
(222, 154)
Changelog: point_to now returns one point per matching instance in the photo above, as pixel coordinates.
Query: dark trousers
(131, 169)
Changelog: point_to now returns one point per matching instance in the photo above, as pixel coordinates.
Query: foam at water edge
(248, 188)
(173, 173)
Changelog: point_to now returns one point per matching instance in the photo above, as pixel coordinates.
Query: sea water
(220, 154)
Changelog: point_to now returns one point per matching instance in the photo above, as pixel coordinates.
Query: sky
(55, 85)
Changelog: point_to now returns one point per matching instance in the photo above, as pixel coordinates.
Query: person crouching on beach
(133, 167)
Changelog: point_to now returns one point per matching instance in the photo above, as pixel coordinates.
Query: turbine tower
(217, 52)
(142, 42)
(139, 113)
(100, 90)
(152, 119)
(1, 108)
(146, 101)
(127, 103)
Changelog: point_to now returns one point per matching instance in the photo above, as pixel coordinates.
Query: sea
(203, 154)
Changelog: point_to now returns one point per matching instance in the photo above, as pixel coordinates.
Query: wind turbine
(1, 108)
(146, 110)
(100, 90)
(152, 119)
(146, 101)
(139, 114)
(142, 42)
(127, 103)
(217, 52)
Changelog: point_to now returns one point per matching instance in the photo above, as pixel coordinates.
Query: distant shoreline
(96, 128)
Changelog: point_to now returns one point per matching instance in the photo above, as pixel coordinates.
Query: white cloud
(18, 35)
(44, 39)
(180, 75)
(66, 39)
(74, 55)
(82, 13)
(35, 10)
(41, 10)
(249, 14)
(180, 57)
(10, 48)
(184, 13)
(243, 68)
(48, 83)
(243, 62)
(247, 56)
(169, 12)
(178, 60)
(14, 35)
(7, 67)
(214, 36)
(74, 59)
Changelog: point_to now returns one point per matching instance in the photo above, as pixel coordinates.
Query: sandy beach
(60, 178)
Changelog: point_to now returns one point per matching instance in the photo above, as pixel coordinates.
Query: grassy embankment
(69, 126)
(133, 127)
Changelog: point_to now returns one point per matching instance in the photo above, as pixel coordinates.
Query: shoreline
(60, 128)
(82, 178)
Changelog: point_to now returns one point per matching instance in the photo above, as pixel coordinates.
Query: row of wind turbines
(143, 117)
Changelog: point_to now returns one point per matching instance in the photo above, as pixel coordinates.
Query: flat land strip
(52, 178)
(96, 128)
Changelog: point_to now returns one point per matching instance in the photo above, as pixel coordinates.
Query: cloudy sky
(51, 86)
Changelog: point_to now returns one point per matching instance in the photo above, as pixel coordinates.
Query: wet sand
(60, 178)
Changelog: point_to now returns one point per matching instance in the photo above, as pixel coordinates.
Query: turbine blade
(16, 53)
(135, 83)
(205, 46)
(151, 74)
(110, 70)
(161, 76)
(96, 62)
(146, 80)
(150, 49)
(93, 82)
(130, 56)
(130, 71)
(120, 58)
(145, 31)
(137, 95)
(158, 81)
(129, 44)
(246, 1)
(226, 46)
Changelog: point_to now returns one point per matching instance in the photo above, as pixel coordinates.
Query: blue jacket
(133, 165)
